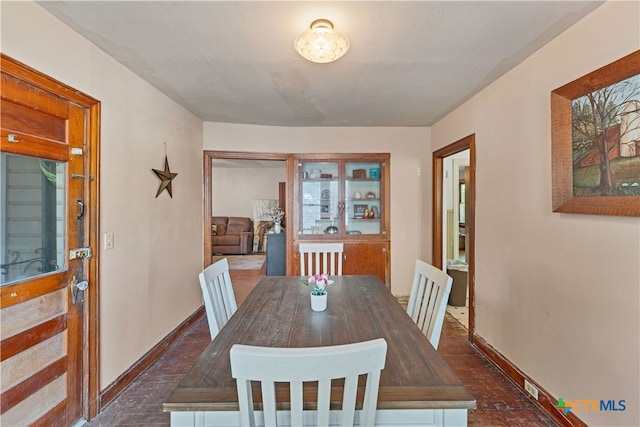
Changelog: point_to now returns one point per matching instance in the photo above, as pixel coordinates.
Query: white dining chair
(217, 292)
(296, 366)
(318, 258)
(428, 300)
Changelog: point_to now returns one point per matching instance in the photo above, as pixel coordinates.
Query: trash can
(459, 272)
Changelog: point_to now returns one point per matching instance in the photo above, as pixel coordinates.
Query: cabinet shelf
(366, 219)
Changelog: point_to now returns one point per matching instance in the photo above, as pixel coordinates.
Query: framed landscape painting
(595, 135)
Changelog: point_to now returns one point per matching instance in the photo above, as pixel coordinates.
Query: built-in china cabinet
(344, 198)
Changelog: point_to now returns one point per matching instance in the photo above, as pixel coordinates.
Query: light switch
(108, 240)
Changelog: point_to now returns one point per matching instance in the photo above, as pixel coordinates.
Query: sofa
(231, 235)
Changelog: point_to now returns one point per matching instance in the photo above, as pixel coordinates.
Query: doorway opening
(454, 224)
(246, 185)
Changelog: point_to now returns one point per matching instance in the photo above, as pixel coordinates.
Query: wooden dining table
(417, 387)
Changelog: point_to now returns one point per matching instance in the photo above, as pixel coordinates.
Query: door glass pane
(363, 207)
(33, 195)
(319, 198)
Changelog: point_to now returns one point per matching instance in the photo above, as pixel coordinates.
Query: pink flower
(319, 280)
(318, 283)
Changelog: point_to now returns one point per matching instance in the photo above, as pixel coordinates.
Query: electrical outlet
(531, 389)
(108, 240)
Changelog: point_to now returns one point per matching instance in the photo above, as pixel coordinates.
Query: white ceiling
(410, 62)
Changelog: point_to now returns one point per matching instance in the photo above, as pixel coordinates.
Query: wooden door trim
(16, 69)
(466, 143)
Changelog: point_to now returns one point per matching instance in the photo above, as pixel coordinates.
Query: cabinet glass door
(363, 198)
(320, 198)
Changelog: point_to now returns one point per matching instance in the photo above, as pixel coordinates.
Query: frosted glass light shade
(321, 43)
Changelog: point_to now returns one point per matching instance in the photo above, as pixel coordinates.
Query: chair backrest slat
(296, 403)
(298, 365)
(321, 258)
(268, 389)
(217, 292)
(428, 299)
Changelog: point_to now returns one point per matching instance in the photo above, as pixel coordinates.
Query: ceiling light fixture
(321, 43)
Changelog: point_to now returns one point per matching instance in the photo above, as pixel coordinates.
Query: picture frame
(596, 151)
(358, 211)
(324, 211)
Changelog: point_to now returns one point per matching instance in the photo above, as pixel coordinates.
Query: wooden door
(367, 258)
(49, 185)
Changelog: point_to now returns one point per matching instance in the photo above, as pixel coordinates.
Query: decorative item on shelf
(359, 174)
(315, 174)
(370, 195)
(325, 200)
(358, 211)
(357, 195)
(332, 229)
(375, 213)
(374, 173)
(365, 215)
(326, 176)
(277, 214)
(318, 283)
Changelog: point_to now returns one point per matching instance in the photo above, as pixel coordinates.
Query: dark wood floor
(499, 402)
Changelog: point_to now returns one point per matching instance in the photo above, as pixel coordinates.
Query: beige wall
(148, 282)
(410, 175)
(235, 188)
(557, 294)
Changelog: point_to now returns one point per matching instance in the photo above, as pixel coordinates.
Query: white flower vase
(318, 302)
(277, 228)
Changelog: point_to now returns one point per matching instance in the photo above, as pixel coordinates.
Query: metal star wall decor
(165, 176)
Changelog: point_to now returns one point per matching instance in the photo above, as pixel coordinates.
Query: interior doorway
(245, 161)
(454, 193)
(234, 175)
